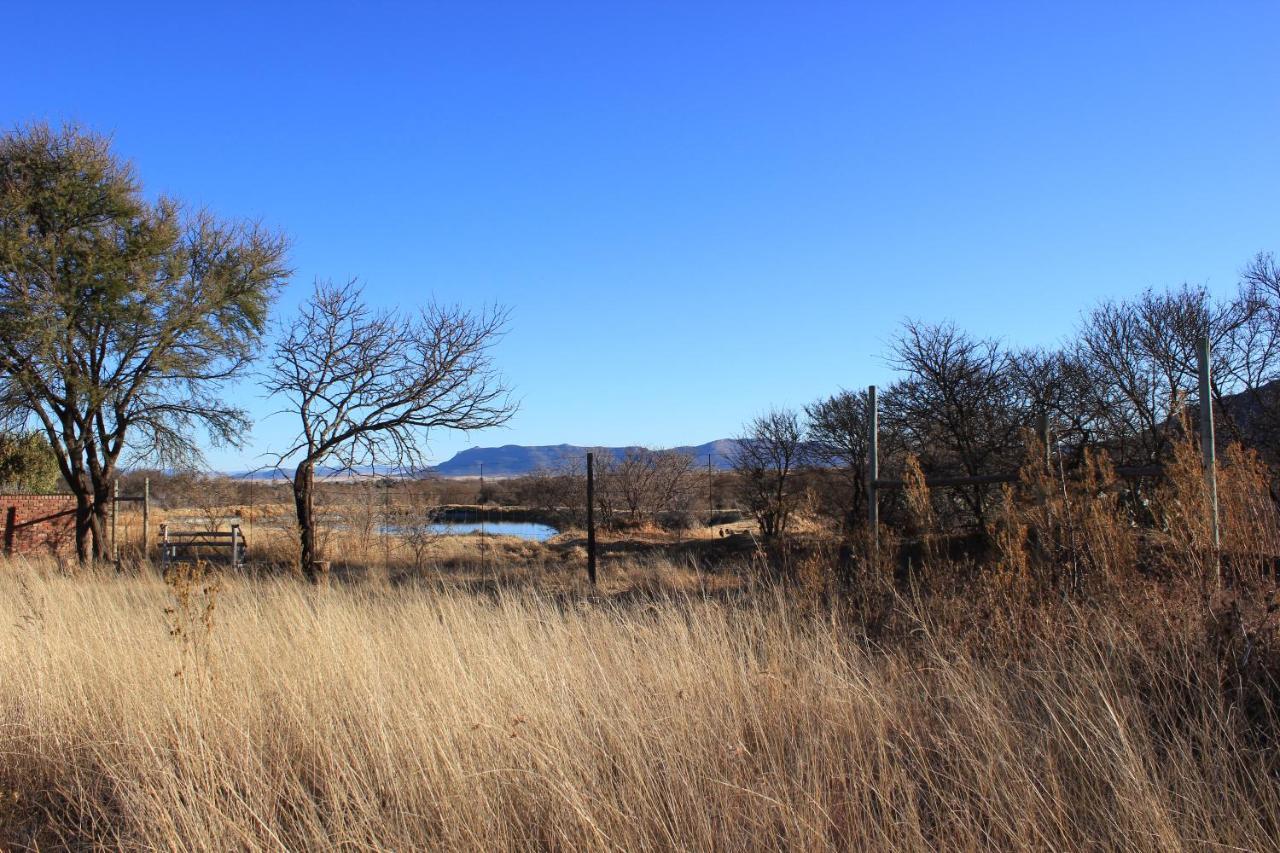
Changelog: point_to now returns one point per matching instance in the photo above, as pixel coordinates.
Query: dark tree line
(964, 404)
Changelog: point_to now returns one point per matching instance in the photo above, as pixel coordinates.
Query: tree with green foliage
(27, 463)
(121, 319)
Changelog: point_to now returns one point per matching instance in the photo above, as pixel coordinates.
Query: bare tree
(1141, 364)
(417, 521)
(766, 459)
(211, 498)
(1250, 358)
(559, 489)
(836, 435)
(642, 483)
(956, 407)
(368, 386)
(121, 319)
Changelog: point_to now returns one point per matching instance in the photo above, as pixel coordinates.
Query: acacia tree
(121, 319)
(368, 386)
(27, 463)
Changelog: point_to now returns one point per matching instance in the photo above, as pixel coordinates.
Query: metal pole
(711, 498)
(115, 513)
(146, 517)
(1207, 448)
(873, 470)
(386, 522)
(591, 518)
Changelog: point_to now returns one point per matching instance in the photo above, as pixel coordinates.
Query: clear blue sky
(694, 210)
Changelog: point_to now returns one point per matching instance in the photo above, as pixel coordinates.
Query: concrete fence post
(1209, 452)
(873, 471)
(591, 518)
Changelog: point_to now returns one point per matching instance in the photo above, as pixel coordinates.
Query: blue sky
(693, 210)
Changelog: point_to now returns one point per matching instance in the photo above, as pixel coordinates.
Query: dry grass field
(1090, 684)
(204, 712)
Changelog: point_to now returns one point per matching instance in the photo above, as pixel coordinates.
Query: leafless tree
(559, 489)
(1250, 358)
(642, 483)
(836, 436)
(1140, 360)
(416, 520)
(766, 459)
(367, 386)
(211, 497)
(956, 407)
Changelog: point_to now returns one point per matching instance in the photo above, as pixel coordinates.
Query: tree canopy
(120, 317)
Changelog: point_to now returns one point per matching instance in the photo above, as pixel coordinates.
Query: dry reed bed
(134, 715)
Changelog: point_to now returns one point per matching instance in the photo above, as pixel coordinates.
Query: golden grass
(264, 715)
(1093, 682)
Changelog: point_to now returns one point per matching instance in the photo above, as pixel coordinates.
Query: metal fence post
(591, 518)
(1208, 449)
(1043, 427)
(873, 471)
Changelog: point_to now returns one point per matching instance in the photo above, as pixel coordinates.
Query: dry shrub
(1181, 508)
(1105, 554)
(918, 504)
(1064, 534)
(1250, 523)
(1011, 574)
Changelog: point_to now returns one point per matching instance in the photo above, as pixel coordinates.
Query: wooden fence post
(591, 518)
(873, 471)
(1208, 449)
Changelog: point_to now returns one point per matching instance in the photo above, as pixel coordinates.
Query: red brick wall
(38, 524)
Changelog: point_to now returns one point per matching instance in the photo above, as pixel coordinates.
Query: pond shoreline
(474, 513)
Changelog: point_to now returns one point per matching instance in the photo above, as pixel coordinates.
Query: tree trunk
(303, 488)
(84, 529)
(101, 521)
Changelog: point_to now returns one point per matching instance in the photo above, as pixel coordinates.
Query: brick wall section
(38, 524)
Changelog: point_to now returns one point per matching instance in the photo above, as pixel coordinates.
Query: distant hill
(513, 460)
(510, 460)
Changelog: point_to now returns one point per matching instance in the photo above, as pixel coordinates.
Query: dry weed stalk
(193, 592)
(1065, 535)
(919, 507)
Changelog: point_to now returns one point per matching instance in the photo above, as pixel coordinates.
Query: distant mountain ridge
(513, 460)
(509, 460)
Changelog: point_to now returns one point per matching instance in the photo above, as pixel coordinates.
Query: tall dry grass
(265, 715)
